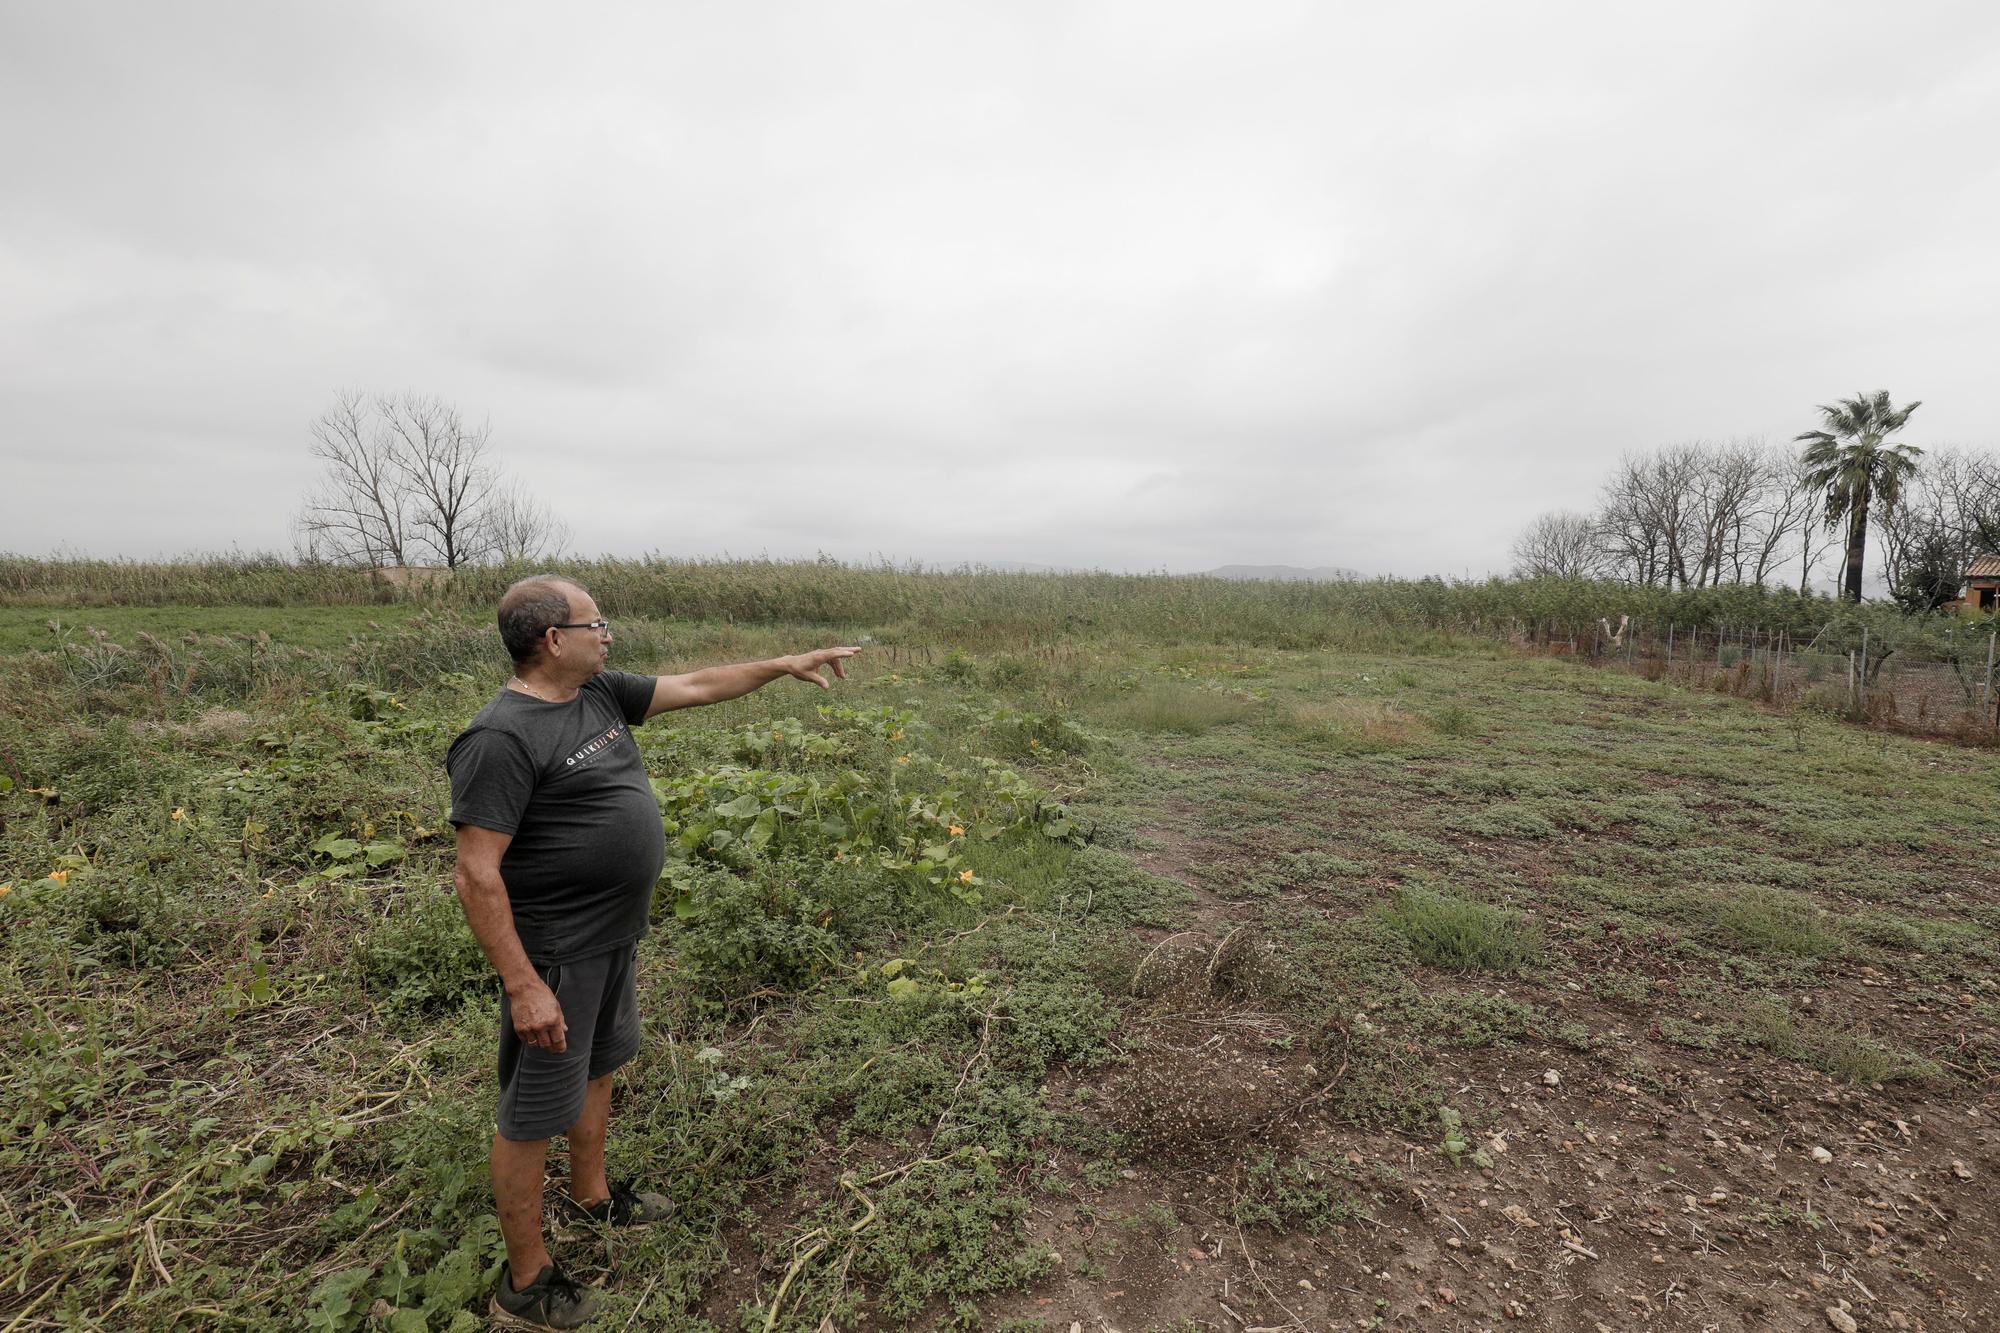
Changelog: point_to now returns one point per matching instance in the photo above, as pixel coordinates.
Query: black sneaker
(626, 1207)
(552, 1300)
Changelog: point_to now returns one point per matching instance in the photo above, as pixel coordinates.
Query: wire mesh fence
(1936, 683)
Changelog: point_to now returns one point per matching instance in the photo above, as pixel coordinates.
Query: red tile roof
(1983, 567)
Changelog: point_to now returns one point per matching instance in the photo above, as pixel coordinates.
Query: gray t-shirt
(567, 780)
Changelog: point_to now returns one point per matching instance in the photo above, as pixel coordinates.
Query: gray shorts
(541, 1092)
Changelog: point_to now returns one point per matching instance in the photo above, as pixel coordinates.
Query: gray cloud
(1135, 285)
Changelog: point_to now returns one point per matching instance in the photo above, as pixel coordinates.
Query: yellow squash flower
(957, 832)
(178, 815)
(59, 876)
(965, 876)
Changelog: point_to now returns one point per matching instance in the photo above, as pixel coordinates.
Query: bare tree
(1784, 512)
(359, 513)
(1631, 538)
(407, 482)
(445, 473)
(1723, 483)
(1950, 512)
(1648, 521)
(1561, 544)
(1700, 515)
(521, 527)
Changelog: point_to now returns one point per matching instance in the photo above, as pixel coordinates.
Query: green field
(35, 628)
(1427, 986)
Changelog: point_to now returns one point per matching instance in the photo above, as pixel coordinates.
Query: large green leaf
(337, 847)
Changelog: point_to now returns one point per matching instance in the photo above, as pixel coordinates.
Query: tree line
(1706, 515)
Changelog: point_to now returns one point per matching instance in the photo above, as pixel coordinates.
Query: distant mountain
(1285, 573)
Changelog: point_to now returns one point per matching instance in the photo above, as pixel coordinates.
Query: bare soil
(1633, 1184)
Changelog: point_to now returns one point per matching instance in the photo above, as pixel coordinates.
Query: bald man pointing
(559, 845)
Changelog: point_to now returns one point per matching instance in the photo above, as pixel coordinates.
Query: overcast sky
(1140, 286)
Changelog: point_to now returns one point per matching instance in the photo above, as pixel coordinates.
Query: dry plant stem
(32, 1306)
(643, 1298)
(950, 940)
(1139, 971)
(141, 1223)
(965, 1075)
(1215, 959)
(800, 1260)
(1251, 1263)
(825, 1238)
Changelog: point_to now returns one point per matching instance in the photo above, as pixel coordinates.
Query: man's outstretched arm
(711, 685)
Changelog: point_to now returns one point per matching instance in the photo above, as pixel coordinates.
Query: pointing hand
(806, 666)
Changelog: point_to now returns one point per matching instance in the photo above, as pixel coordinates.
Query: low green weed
(1453, 719)
(1184, 710)
(1302, 1193)
(1461, 934)
(1456, 1145)
(1840, 1049)
(1774, 921)
(421, 959)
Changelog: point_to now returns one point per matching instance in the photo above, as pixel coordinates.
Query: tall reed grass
(974, 605)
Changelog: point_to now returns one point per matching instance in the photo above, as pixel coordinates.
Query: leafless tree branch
(406, 481)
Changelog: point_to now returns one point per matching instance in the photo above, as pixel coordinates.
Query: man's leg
(517, 1169)
(587, 1184)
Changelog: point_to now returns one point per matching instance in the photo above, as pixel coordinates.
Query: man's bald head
(528, 609)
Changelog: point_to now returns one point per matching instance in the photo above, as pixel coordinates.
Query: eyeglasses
(601, 626)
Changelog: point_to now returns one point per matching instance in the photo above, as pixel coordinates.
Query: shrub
(1367, 721)
(1461, 934)
(767, 927)
(957, 667)
(1304, 1194)
(1180, 709)
(1829, 701)
(1454, 719)
(1776, 921)
(421, 958)
(1008, 672)
(1840, 1049)
(107, 919)
(1017, 735)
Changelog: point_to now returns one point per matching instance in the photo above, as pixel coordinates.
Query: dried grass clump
(1369, 720)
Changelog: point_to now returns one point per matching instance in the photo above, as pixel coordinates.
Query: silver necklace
(531, 691)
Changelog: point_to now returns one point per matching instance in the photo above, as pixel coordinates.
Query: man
(559, 844)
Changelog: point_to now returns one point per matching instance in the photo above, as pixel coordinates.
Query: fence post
(1986, 698)
(1864, 667)
(1670, 650)
(1850, 679)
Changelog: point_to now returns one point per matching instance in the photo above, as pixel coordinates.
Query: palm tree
(1851, 464)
